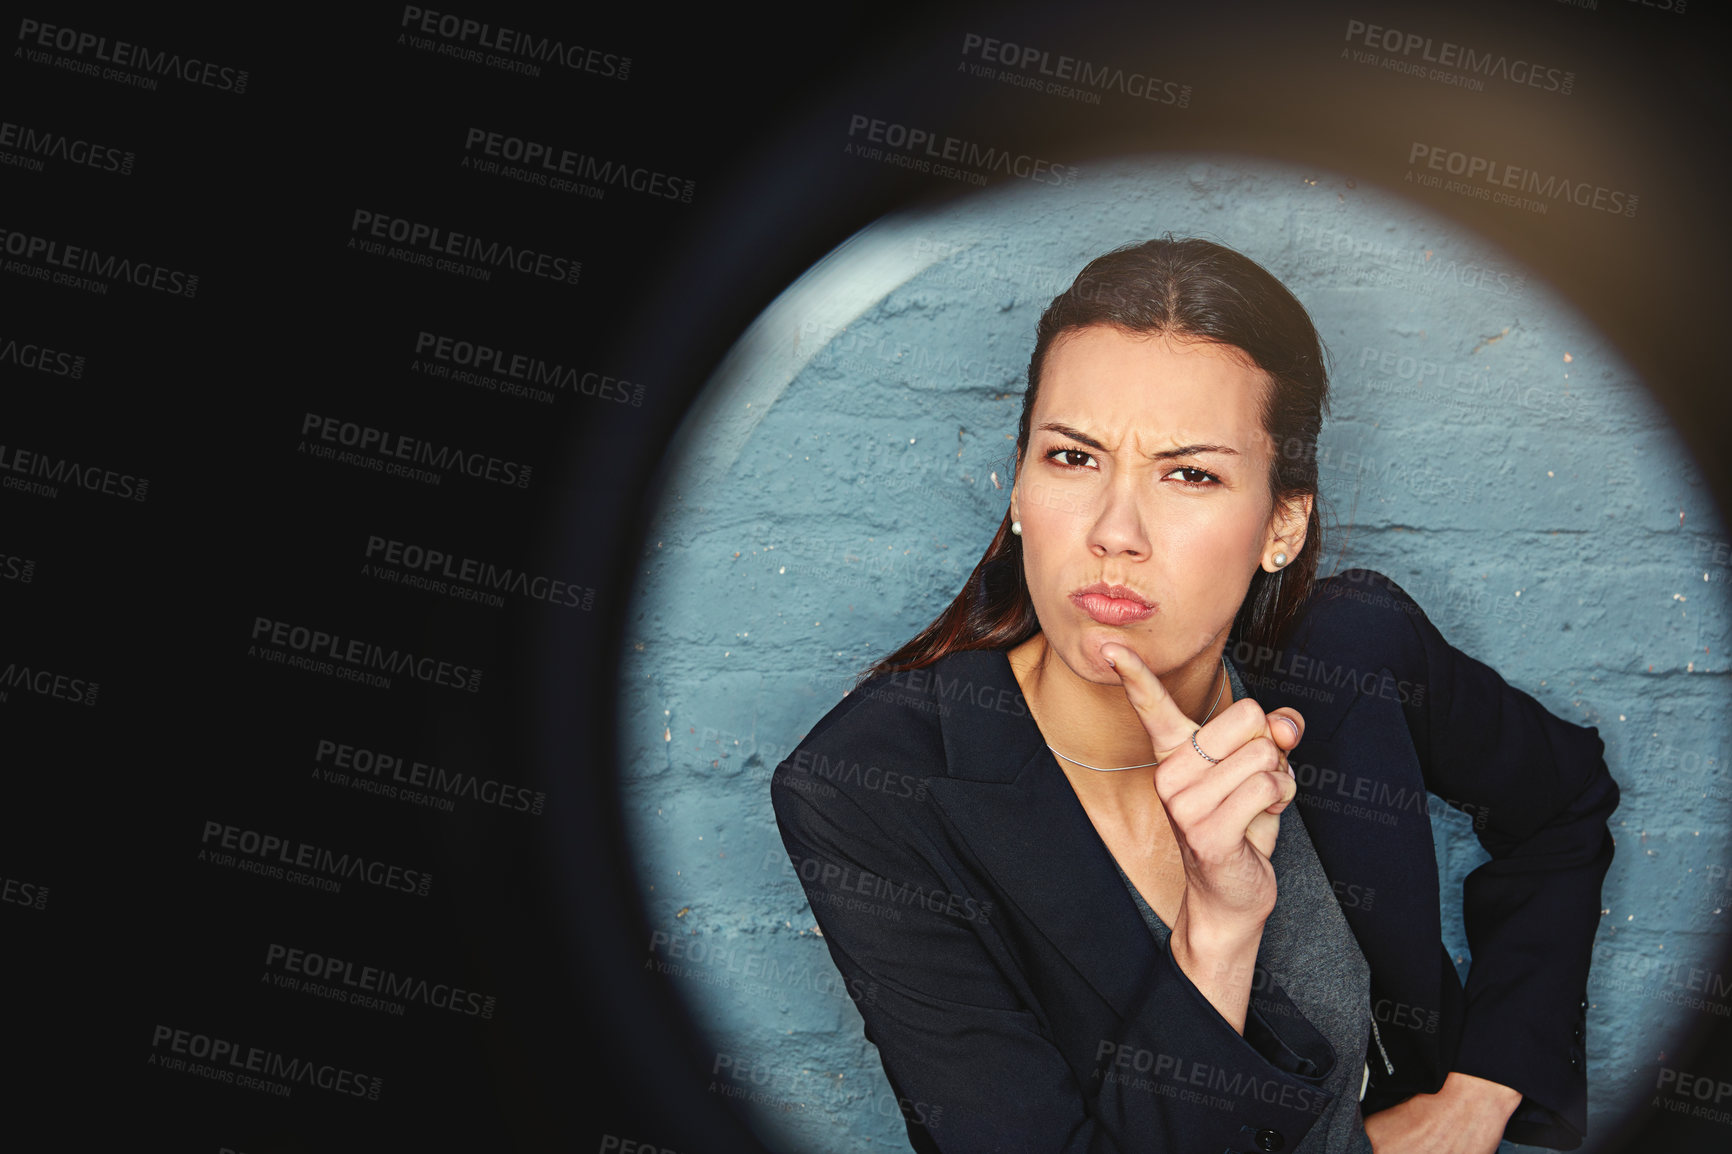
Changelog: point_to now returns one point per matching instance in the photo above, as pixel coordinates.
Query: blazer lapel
(1011, 804)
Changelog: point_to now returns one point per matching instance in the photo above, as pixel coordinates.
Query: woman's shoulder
(1357, 634)
(1357, 610)
(885, 737)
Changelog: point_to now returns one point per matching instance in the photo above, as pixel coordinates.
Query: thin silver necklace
(1146, 764)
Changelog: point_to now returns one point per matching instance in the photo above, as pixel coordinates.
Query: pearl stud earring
(1016, 527)
(1280, 560)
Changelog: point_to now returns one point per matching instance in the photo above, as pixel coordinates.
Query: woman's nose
(1118, 529)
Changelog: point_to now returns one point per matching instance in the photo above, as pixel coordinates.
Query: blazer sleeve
(968, 1047)
(1540, 794)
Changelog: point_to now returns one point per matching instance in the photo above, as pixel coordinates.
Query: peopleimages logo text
(124, 54)
(232, 1062)
(527, 369)
(54, 470)
(31, 355)
(1100, 77)
(379, 980)
(1450, 55)
(555, 160)
(981, 158)
(363, 654)
(525, 48)
(280, 852)
(1498, 174)
(483, 574)
(435, 240)
(51, 145)
(105, 267)
(415, 450)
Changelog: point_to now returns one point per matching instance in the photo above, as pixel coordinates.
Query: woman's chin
(1091, 663)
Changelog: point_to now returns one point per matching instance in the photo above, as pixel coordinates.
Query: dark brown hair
(1193, 290)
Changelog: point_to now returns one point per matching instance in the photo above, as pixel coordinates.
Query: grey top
(1311, 953)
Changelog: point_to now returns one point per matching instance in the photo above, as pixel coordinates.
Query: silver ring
(1199, 749)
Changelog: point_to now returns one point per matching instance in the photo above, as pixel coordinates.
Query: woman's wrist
(1223, 944)
(1220, 937)
(1220, 960)
(1484, 1094)
(1467, 1114)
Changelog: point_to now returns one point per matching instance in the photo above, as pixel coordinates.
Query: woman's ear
(1287, 525)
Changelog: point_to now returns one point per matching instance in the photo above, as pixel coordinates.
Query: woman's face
(1147, 467)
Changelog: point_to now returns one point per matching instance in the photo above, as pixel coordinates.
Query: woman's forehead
(1106, 383)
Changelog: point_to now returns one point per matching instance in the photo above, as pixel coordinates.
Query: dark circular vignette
(1653, 288)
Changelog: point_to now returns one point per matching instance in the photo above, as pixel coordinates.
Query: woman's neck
(1097, 724)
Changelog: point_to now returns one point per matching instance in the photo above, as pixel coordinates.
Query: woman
(1055, 840)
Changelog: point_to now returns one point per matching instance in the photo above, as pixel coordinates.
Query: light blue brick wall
(851, 460)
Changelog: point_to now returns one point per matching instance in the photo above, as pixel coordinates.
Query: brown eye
(1191, 475)
(1070, 458)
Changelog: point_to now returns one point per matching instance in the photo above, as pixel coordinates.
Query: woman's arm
(1540, 794)
(1467, 1115)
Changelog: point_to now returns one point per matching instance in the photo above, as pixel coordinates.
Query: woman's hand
(1225, 818)
(1465, 1116)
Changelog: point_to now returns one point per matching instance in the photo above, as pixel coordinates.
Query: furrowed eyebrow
(1163, 455)
(1191, 451)
(1067, 431)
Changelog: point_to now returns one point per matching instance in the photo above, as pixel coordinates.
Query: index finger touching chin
(1167, 725)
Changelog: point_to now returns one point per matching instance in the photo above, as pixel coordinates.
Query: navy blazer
(1018, 1000)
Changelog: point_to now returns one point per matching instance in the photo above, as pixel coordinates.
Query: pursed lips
(1112, 604)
